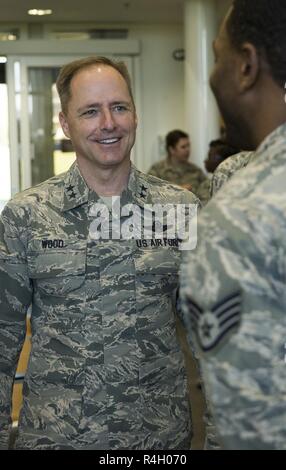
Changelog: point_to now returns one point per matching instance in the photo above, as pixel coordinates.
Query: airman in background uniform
(184, 174)
(233, 286)
(176, 168)
(203, 191)
(219, 153)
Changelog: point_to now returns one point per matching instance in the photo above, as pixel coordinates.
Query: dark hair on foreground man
(233, 285)
(261, 23)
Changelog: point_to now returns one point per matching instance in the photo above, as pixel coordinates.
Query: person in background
(219, 151)
(233, 285)
(177, 168)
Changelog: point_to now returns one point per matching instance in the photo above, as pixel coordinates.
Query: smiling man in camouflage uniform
(106, 370)
(233, 286)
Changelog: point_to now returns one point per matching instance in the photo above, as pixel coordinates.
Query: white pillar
(202, 117)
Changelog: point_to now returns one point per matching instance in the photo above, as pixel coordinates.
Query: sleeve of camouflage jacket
(15, 298)
(203, 191)
(233, 297)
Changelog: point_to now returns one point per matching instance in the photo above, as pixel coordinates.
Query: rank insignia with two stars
(71, 193)
(211, 326)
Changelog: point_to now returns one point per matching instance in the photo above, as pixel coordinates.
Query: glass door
(39, 149)
(5, 173)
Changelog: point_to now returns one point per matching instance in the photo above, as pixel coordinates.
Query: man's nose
(107, 120)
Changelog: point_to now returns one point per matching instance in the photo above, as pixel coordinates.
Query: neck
(270, 115)
(109, 181)
(175, 162)
(266, 124)
(172, 160)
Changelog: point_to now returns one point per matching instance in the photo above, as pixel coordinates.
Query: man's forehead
(99, 74)
(97, 71)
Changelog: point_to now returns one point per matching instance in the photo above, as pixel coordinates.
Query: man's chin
(105, 162)
(111, 161)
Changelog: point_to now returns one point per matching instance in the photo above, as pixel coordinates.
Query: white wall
(162, 102)
(162, 87)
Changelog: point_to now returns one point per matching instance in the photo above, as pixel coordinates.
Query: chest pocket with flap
(157, 270)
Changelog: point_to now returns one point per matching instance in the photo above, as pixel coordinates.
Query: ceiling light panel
(36, 12)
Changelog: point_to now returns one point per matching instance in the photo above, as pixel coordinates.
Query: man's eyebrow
(87, 106)
(126, 103)
(99, 105)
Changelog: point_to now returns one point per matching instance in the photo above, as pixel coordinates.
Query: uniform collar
(138, 190)
(271, 141)
(76, 192)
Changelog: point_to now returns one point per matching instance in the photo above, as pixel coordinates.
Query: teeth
(108, 141)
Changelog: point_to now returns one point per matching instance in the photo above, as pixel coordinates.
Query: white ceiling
(103, 11)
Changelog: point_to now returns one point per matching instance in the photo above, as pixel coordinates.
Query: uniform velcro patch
(211, 326)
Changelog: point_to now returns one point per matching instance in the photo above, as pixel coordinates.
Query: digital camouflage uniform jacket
(180, 174)
(106, 370)
(234, 300)
(228, 168)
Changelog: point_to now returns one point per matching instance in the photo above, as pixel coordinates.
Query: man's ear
(249, 66)
(64, 124)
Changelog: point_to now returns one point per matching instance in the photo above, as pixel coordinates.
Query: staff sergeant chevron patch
(211, 326)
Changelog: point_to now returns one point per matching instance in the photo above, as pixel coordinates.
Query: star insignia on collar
(70, 188)
(71, 192)
(211, 326)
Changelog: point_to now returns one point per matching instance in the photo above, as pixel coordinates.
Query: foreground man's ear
(250, 64)
(64, 124)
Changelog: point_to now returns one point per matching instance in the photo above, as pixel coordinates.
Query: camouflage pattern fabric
(203, 191)
(181, 174)
(233, 296)
(106, 370)
(228, 168)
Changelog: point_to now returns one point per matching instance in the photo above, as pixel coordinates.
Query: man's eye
(119, 108)
(90, 112)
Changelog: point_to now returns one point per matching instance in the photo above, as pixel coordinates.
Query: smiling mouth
(109, 141)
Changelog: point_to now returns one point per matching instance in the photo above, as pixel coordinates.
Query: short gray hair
(69, 70)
